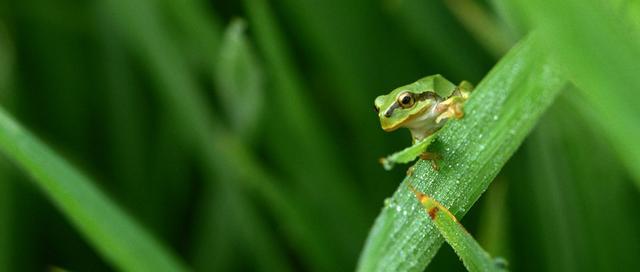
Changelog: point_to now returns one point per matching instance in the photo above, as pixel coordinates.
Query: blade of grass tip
(498, 116)
(474, 257)
(304, 150)
(234, 68)
(117, 237)
(238, 77)
(482, 26)
(439, 36)
(601, 59)
(218, 149)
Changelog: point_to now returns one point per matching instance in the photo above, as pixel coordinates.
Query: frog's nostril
(376, 108)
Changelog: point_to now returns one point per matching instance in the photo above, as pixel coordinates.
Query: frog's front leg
(451, 108)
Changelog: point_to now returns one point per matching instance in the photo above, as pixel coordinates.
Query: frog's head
(403, 104)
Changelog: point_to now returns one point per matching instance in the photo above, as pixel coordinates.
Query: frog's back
(437, 84)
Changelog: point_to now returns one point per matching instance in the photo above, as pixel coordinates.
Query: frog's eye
(406, 100)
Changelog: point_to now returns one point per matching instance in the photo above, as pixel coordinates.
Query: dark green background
(87, 77)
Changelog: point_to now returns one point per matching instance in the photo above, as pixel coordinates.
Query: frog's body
(422, 106)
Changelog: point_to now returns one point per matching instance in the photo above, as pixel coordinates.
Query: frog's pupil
(406, 100)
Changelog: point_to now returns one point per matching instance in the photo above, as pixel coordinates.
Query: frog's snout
(386, 124)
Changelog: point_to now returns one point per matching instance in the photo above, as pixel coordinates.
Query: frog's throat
(406, 120)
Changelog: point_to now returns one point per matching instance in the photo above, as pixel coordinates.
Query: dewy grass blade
(115, 235)
(498, 116)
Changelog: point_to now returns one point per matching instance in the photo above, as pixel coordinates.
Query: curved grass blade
(474, 257)
(498, 116)
(115, 235)
(601, 60)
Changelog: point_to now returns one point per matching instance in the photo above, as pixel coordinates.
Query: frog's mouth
(388, 126)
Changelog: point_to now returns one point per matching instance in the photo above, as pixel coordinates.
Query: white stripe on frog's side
(425, 125)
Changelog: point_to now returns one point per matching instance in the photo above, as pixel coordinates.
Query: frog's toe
(432, 158)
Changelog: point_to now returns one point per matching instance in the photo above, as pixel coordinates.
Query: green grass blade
(304, 151)
(482, 25)
(474, 257)
(600, 57)
(239, 77)
(223, 156)
(583, 197)
(440, 37)
(498, 116)
(116, 236)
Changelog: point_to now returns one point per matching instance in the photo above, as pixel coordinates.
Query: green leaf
(498, 116)
(598, 50)
(305, 152)
(582, 195)
(115, 235)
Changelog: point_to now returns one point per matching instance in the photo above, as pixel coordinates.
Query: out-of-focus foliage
(240, 134)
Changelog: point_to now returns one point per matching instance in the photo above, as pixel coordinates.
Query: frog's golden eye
(406, 100)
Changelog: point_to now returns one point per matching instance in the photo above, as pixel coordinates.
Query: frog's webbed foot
(432, 158)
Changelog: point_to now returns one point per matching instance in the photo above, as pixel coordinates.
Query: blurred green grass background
(241, 134)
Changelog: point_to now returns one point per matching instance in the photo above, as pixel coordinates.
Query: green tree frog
(423, 107)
